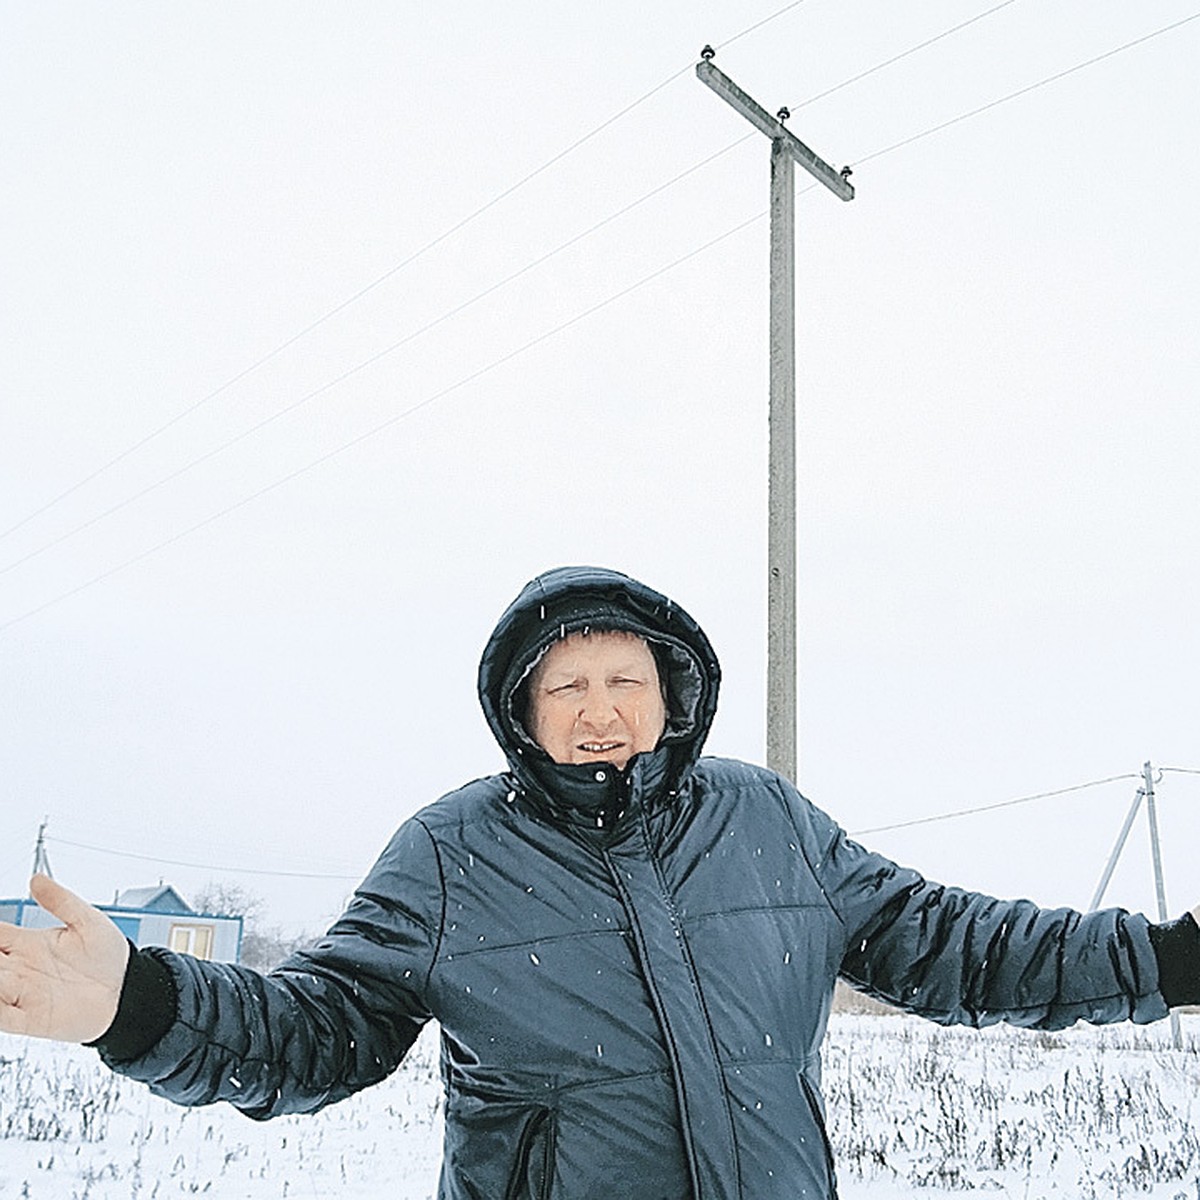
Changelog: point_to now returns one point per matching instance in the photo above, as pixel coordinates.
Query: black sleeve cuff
(146, 1010)
(1177, 947)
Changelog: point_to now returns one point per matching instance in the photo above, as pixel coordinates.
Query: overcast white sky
(999, 493)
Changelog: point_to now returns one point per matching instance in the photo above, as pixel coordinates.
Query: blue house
(150, 916)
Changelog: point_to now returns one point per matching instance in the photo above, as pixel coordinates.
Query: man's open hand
(61, 983)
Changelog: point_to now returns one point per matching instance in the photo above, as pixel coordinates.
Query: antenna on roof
(41, 860)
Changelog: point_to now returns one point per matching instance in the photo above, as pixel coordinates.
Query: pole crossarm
(758, 116)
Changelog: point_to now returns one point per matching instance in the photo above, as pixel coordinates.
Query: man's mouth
(599, 747)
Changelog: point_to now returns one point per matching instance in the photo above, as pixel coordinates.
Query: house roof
(158, 898)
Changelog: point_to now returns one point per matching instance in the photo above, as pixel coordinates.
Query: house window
(195, 940)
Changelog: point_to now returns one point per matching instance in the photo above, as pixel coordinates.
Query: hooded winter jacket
(632, 969)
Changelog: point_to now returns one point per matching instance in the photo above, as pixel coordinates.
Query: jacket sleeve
(329, 1021)
(958, 957)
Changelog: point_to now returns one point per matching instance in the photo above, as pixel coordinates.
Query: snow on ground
(1088, 1113)
(914, 1110)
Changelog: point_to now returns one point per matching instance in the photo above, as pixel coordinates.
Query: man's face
(595, 697)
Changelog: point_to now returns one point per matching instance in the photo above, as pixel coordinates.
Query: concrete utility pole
(1145, 792)
(41, 860)
(786, 149)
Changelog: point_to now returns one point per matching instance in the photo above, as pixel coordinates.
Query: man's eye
(564, 688)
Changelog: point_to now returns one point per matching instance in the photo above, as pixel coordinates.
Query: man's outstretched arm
(332, 1019)
(962, 957)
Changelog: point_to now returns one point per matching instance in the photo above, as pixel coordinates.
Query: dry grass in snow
(914, 1110)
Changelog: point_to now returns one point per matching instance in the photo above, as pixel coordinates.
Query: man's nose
(598, 709)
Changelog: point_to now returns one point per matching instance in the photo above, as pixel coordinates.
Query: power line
(1025, 90)
(363, 364)
(37, 552)
(498, 362)
(751, 28)
(902, 55)
(356, 296)
(370, 287)
(387, 424)
(174, 862)
(966, 812)
(400, 266)
(13, 864)
(230, 442)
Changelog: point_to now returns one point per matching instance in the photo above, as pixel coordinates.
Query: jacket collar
(594, 796)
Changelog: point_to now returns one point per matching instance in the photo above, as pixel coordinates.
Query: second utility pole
(786, 149)
(1145, 792)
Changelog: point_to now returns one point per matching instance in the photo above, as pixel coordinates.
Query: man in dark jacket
(630, 949)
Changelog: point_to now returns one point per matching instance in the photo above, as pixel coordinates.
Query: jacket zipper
(517, 1189)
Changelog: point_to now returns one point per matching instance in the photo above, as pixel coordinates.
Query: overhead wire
(390, 273)
(966, 812)
(11, 865)
(550, 333)
(383, 425)
(321, 320)
(364, 363)
(309, 396)
(175, 862)
(757, 25)
(1091, 62)
(902, 55)
(930, 820)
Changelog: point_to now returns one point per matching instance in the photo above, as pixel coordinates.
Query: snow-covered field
(914, 1111)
